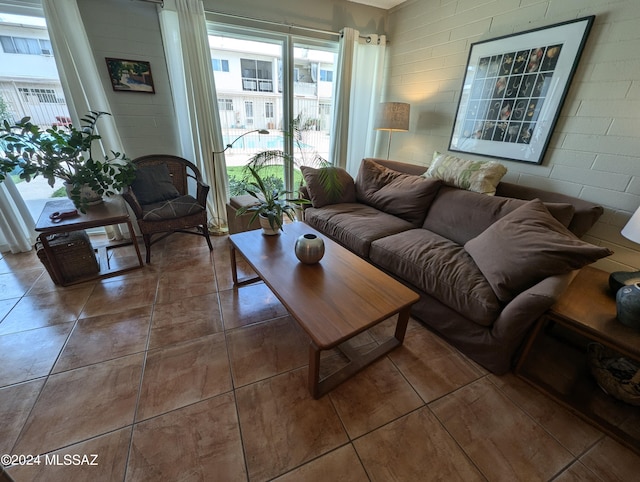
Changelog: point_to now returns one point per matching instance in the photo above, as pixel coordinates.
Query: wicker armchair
(160, 198)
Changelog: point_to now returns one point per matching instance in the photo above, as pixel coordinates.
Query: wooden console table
(112, 211)
(555, 356)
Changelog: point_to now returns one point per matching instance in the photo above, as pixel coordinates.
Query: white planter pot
(89, 195)
(266, 227)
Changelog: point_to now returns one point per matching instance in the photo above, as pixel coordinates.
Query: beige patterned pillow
(478, 176)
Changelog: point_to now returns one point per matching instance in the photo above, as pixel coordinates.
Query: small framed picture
(130, 75)
(513, 91)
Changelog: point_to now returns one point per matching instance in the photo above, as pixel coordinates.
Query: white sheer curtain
(16, 224)
(186, 44)
(79, 74)
(359, 81)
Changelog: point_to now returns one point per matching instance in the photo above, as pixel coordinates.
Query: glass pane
(248, 102)
(32, 90)
(313, 103)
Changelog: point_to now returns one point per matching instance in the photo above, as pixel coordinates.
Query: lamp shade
(393, 116)
(631, 230)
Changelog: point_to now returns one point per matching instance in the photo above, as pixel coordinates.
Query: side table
(112, 211)
(554, 358)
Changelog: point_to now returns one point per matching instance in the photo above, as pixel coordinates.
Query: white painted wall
(594, 153)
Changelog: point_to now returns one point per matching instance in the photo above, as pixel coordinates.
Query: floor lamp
(259, 131)
(392, 117)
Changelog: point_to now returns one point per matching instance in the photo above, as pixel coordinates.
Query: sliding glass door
(275, 83)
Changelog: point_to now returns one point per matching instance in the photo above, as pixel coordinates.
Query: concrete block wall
(594, 152)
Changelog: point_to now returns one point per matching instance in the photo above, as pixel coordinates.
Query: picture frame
(130, 75)
(513, 90)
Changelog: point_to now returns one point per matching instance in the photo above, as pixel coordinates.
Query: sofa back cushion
(461, 215)
(328, 185)
(404, 195)
(526, 246)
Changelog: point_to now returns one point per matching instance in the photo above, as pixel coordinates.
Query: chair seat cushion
(171, 209)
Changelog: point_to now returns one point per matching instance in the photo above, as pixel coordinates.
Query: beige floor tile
(249, 304)
(111, 296)
(105, 337)
(375, 396)
(82, 403)
(577, 472)
(16, 402)
(433, 367)
(19, 261)
(191, 258)
(572, 432)
(283, 427)
(200, 442)
(342, 464)
(17, 283)
(31, 354)
(185, 320)
(6, 306)
(266, 349)
(179, 375)
(612, 461)
(180, 284)
(100, 459)
(501, 439)
(414, 447)
(37, 311)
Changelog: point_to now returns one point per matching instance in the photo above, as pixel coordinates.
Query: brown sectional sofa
(468, 255)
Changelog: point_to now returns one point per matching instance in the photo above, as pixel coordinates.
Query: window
(44, 96)
(256, 75)
(248, 108)
(23, 45)
(326, 75)
(268, 110)
(258, 59)
(225, 104)
(220, 65)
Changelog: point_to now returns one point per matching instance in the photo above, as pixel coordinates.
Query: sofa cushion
(526, 246)
(354, 225)
(404, 195)
(153, 184)
(478, 176)
(328, 185)
(461, 215)
(440, 268)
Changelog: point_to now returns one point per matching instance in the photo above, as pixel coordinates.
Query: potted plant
(271, 205)
(277, 157)
(65, 153)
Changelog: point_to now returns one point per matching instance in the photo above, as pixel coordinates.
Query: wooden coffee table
(333, 301)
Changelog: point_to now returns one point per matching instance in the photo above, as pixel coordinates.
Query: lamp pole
(259, 131)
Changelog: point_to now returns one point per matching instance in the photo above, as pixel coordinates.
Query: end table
(112, 211)
(554, 358)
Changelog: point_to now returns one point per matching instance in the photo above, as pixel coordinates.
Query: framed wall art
(513, 91)
(130, 75)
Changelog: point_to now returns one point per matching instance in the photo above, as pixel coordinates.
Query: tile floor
(169, 373)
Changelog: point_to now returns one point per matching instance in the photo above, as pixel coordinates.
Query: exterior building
(29, 81)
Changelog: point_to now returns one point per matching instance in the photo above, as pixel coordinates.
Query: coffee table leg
(403, 322)
(314, 371)
(357, 361)
(234, 267)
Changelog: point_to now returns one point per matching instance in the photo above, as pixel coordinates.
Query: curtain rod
(279, 24)
(288, 25)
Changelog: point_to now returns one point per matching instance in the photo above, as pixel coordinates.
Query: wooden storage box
(74, 254)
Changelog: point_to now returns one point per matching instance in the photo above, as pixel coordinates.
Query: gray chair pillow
(153, 184)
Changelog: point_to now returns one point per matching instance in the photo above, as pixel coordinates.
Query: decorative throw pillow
(526, 246)
(478, 176)
(407, 196)
(153, 184)
(328, 185)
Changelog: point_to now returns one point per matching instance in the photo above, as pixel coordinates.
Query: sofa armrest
(518, 317)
